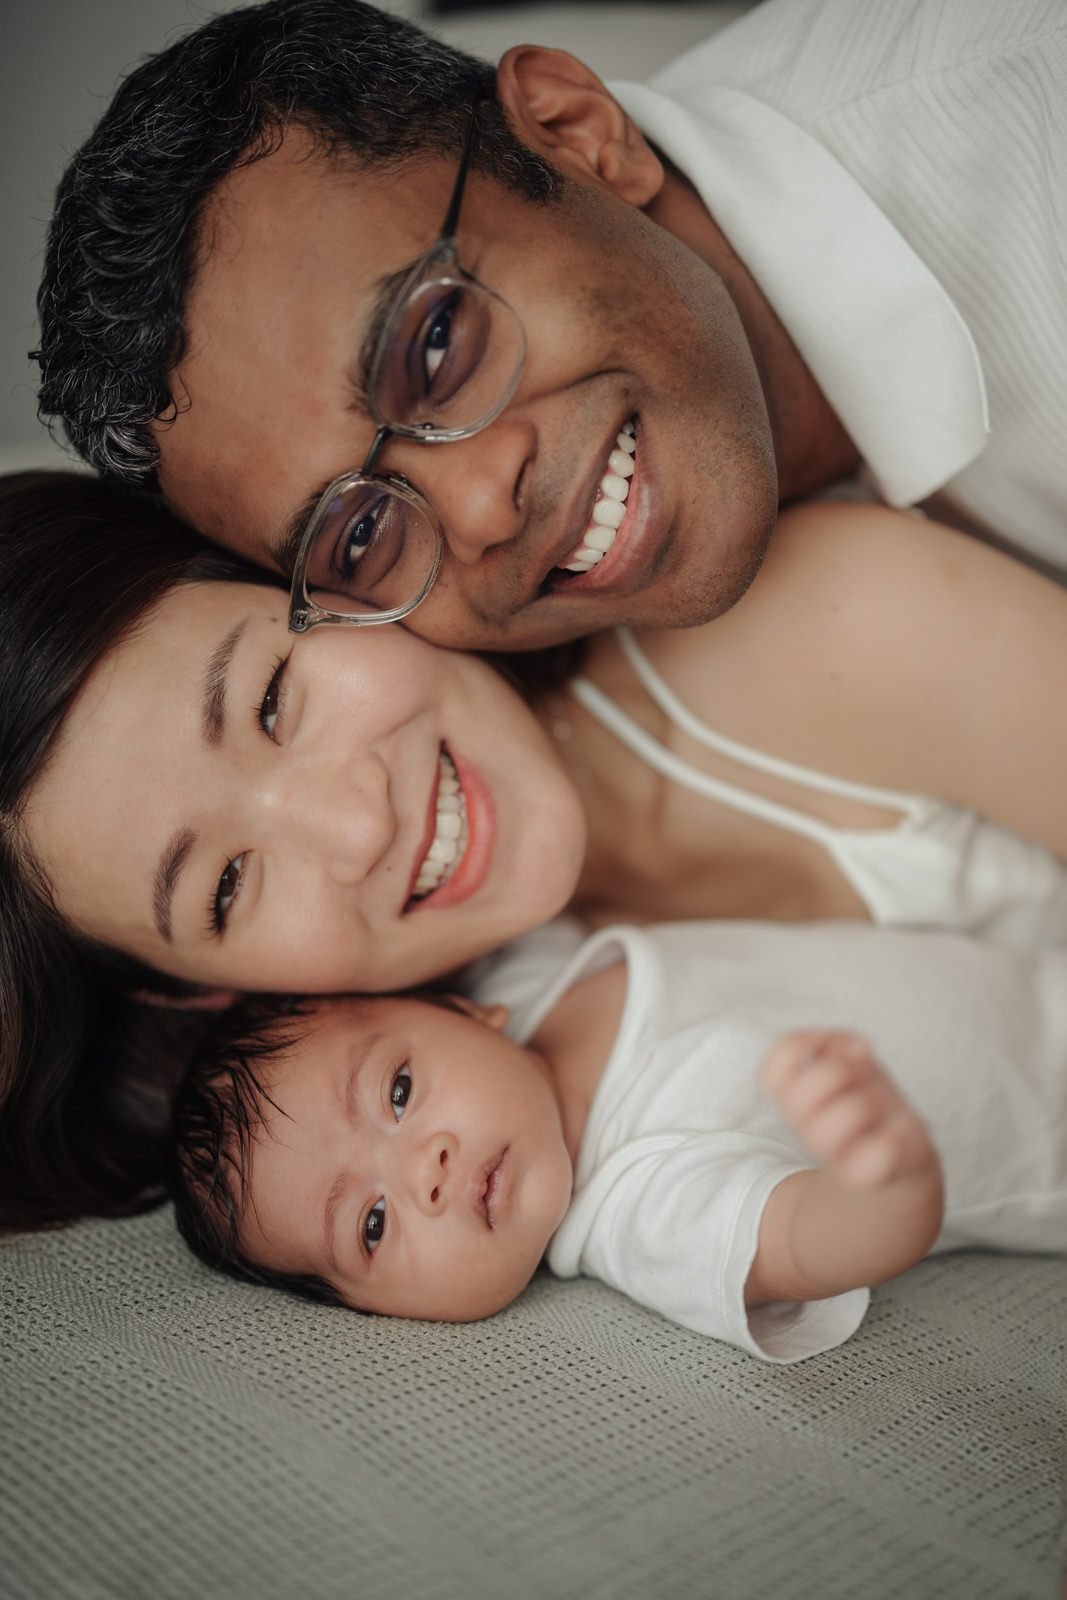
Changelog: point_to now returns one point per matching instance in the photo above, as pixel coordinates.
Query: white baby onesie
(681, 1151)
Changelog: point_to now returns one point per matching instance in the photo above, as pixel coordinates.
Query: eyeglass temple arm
(451, 221)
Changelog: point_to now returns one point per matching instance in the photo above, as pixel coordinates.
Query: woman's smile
(468, 869)
(372, 779)
(446, 835)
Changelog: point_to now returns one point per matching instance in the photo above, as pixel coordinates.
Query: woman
(201, 800)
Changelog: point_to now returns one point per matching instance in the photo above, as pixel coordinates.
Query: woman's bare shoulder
(838, 540)
(896, 651)
(833, 570)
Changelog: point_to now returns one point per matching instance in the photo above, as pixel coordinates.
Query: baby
(670, 1114)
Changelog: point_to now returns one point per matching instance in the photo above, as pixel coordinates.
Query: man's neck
(811, 445)
(575, 1041)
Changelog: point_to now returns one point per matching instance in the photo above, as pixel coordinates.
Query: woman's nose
(434, 1173)
(337, 814)
(476, 485)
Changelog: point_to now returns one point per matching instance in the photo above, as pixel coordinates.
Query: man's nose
(434, 1173)
(477, 485)
(337, 814)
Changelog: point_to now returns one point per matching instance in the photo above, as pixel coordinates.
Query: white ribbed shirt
(894, 175)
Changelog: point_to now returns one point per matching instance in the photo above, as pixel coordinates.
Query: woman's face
(350, 809)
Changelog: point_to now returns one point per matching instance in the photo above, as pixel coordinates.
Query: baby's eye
(374, 1226)
(400, 1093)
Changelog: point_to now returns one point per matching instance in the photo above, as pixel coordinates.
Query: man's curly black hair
(122, 246)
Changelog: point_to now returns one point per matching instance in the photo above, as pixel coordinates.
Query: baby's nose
(433, 1181)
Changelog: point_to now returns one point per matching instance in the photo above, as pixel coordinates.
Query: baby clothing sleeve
(672, 1220)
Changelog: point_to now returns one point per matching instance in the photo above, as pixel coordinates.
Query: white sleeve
(674, 1222)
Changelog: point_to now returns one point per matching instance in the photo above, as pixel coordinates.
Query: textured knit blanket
(167, 1433)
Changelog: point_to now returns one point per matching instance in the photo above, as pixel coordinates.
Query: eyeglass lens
(448, 364)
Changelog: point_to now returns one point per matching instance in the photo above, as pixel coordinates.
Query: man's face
(624, 326)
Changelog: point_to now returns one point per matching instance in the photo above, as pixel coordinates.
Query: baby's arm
(874, 1207)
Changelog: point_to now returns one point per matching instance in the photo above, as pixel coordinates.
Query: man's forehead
(293, 249)
(299, 181)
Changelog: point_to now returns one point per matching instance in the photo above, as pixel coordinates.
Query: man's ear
(560, 109)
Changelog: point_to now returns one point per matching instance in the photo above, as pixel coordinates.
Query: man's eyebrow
(349, 1104)
(169, 870)
(284, 547)
(213, 707)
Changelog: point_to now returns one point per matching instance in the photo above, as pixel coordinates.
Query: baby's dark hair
(219, 1111)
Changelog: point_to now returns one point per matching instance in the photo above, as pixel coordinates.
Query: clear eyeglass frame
(439, 268)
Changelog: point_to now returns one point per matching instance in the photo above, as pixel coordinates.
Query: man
(830, 238)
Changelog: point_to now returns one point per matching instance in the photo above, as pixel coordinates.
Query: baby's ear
(203, 1000)
(495, 1017)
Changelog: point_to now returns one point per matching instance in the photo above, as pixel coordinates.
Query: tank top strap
(623, 726)
(674, 767)
(910, 805)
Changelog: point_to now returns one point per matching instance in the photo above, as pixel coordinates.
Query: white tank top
(938, 867)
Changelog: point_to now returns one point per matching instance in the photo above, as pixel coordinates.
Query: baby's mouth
(450, 836)
(491, 1187)
(609, 507)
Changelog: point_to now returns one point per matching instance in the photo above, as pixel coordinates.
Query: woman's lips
(471, 871)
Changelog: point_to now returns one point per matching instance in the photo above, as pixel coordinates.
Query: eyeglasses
(445, 364)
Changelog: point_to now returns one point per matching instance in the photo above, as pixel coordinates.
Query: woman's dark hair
(121, 250)
(83, 1065)
(218, 1112)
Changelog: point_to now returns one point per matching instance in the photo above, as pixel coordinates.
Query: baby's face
(412, 1156)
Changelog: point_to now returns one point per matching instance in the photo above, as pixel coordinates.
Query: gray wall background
(60, 61)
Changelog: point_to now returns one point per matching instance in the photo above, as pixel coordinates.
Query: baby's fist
(833, 1092)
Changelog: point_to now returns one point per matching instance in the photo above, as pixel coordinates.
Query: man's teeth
(610, 506)
(450, 833)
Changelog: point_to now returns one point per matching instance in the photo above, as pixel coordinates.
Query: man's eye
(400, 1093)
(437, 340)
(358, 536)
(374, 1226)
(226, 892)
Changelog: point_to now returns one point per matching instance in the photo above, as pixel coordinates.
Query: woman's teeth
(610, 506)
(450, 832)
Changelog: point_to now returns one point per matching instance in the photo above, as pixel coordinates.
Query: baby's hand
(850, 1114)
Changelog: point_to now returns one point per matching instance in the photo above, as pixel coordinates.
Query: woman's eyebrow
(171, 862)
(213, 708)
(176, 852)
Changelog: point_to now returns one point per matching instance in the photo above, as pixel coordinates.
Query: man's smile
(609, 507)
